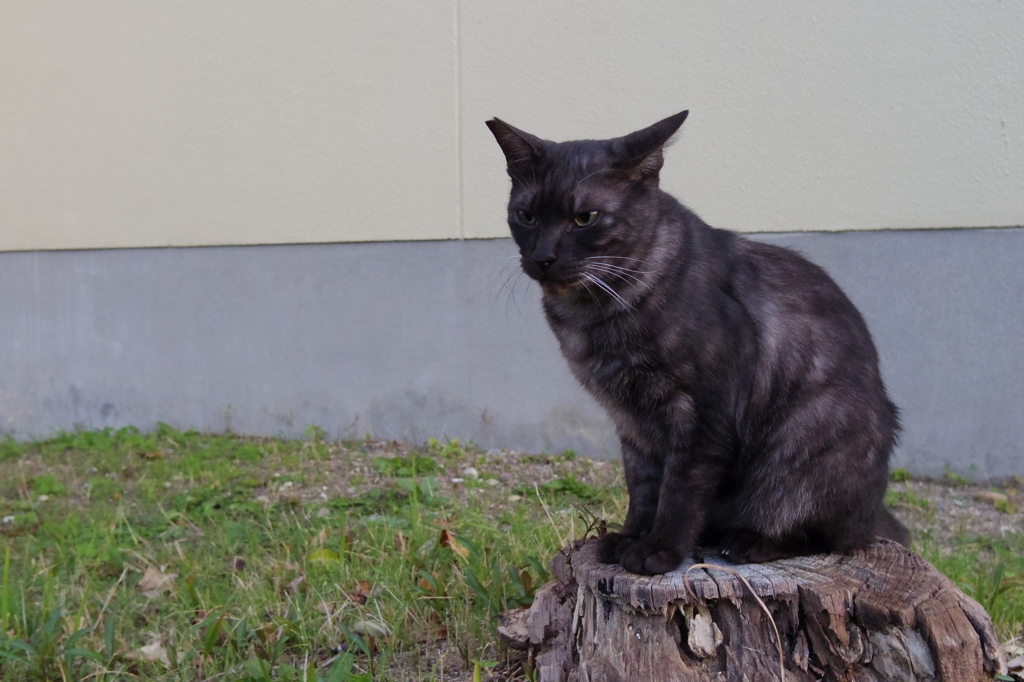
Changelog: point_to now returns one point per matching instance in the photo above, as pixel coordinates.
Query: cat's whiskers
(512, 292)
(600, 261)
(621, 274)
(506, 274)
(510, 276)
(608, 289)
(589, 291)
(636, 260)
(636, 275)
(618, 268)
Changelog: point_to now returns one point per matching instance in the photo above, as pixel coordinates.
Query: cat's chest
(621, 366)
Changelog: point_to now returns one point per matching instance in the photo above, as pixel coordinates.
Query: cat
(743, 384)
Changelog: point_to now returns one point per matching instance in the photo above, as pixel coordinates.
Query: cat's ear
(522, 150)
(640, 153)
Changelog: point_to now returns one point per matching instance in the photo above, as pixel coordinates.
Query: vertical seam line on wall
(458, 122)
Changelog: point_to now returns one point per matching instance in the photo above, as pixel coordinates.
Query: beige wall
(197, 123)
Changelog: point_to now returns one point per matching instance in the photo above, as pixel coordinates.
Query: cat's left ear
(640, 153)
(522, 150)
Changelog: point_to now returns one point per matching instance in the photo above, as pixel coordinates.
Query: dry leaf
(150, 652)
(448, 540)
(363, 590)
(526, 580)
(991, 497)
(370, 628)
(296, 586)
(154, 582)
(433, 634)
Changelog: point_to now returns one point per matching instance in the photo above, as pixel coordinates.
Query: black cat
(743, 383)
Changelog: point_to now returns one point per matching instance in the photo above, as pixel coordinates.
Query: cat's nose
(544, 259)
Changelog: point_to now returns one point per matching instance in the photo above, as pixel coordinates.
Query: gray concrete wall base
(444, 339)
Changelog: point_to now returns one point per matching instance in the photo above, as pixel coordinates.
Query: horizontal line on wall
(414, 241)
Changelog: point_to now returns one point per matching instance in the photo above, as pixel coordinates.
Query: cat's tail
(889, 527)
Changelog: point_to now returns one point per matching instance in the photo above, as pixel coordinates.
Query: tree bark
(883, 613)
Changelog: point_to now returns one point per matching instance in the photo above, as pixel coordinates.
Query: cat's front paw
(649, 557)
(747, 547)
(610, 547)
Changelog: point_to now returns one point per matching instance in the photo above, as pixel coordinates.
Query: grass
(186, 556)
(991, 570)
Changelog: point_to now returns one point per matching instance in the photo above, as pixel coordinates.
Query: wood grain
(880, 614)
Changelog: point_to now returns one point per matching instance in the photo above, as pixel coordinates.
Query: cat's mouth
(590, 286)
(562, 287)
(555, 279)
(598, 278)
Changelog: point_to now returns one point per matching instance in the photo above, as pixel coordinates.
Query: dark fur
(743, 383)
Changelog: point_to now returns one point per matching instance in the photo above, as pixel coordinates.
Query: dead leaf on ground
(363, 591)
(447, 539)
(154, 582)
(150, 652)
(991, 497)
(297, 585)
(433, 633)
(370, 628)
(526, 580)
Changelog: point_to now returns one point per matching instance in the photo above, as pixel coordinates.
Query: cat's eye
(586, 218)
(526, 217)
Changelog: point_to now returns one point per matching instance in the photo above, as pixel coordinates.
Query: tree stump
(880, 614)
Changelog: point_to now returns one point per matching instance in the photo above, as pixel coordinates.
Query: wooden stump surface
(883, 613)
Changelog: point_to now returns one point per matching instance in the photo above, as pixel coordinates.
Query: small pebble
(471, 473)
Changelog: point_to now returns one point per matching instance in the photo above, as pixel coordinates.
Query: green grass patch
(184, 556)
(989, 570)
